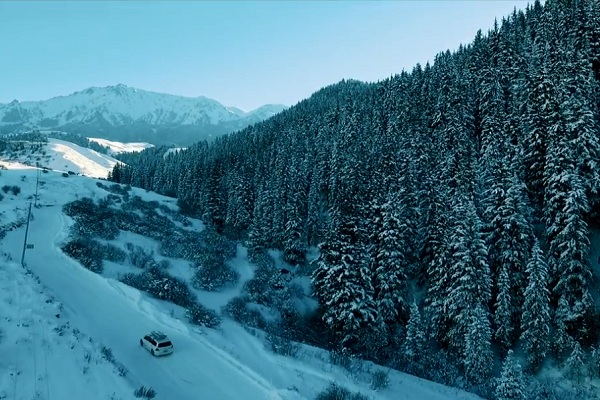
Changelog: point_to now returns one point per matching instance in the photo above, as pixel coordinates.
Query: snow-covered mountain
(126, 114)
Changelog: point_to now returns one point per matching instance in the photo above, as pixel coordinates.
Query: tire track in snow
(147, 310)
(226, 357)
(199, 361)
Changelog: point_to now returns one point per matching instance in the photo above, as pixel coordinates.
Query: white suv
(157, 343)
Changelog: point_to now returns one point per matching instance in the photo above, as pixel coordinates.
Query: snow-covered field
(57, 319)
(118, 147)
(43, 355)
(63, 156)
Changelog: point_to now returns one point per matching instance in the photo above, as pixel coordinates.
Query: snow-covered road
(117, 316)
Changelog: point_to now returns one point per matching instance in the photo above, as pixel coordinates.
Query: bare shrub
(144, 393)
(379, 380)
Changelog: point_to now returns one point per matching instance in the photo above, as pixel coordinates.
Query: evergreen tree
(509, 241)
(315, 217)
(390, 261)
(342, 286)
(541, 114)
(435, 253)
(294, 234)
(575, 363)
(478, 356)
(257, 235)
(510, 386)
(470, 282)
(578, 89)
(413, 348)
(535, 324)
(562, 341)
(595, 362)
(569, 262)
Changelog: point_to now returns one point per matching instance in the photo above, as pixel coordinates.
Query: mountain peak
(118, 89)
(125, 114)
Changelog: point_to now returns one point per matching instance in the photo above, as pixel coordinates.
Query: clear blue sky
(242, 53)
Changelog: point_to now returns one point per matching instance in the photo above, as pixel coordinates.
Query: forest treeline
(451, 204)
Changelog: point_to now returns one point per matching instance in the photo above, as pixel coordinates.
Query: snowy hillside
(118, 147)
(123, 113)
(62, 156)
(70, 333)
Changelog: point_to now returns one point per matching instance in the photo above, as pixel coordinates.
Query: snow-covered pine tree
(492, 115)
(342, 280)
(478, 356)
(295, 192)
(510, 385)
(595, 362)
(239, 202)
(535, 321)
(215, 198)
(561, 340)
(314, 220)
(390, 262)
(509, 239)
(470, 281)
(279, 197)
(569, 257)
(257, 235)
(435, 253)
(542, 112)
(575, 363)
(294, 242)
(413, 348)
(294, 245)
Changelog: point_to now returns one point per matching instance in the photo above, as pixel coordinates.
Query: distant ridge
(125, 114)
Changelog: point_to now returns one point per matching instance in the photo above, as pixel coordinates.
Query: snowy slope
(228, 363)
(173, 150)
(114, 112)
(63, 156)
(40, 347)
(264, 112)
(78, 159)
(118, 147)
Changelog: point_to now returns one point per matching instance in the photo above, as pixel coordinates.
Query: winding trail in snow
(117, 316)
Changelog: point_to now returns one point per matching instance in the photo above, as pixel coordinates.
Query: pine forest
(451, 205)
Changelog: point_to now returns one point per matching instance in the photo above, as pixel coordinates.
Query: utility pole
(26, 232)
(37, 181)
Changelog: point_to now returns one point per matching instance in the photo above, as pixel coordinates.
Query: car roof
(159, 336)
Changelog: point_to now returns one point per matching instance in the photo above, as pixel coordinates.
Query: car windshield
(164, 344)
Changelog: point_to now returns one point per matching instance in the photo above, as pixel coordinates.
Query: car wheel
(152, 352)
(141, 343)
